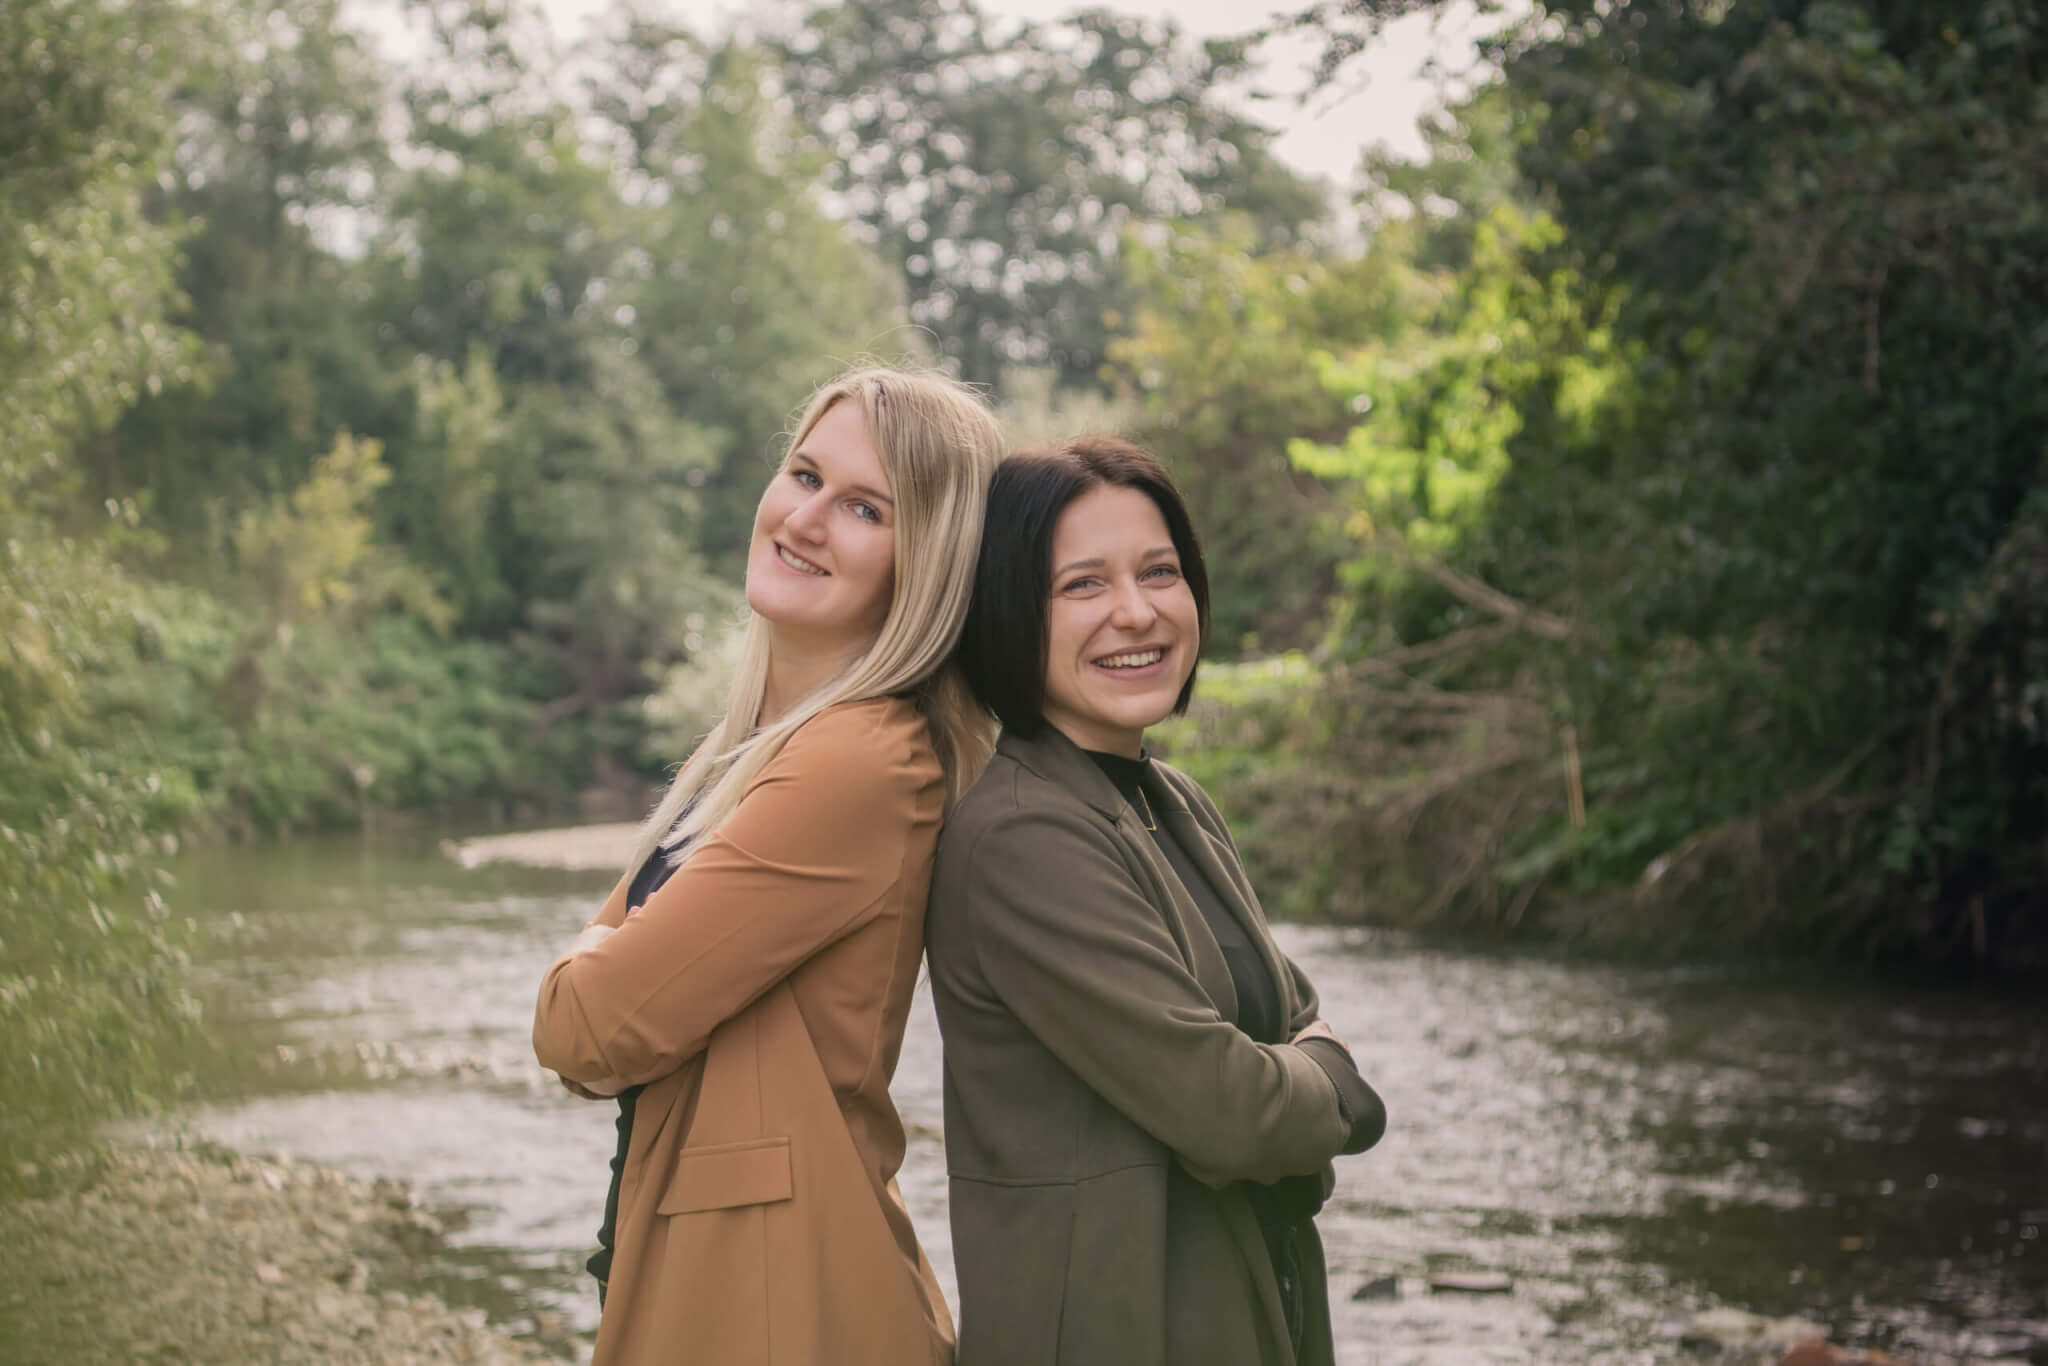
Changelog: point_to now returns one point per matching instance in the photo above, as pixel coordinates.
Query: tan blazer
(761, 997)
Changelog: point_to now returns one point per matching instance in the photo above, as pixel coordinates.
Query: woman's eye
(1163, 572)
(866, 512)
(805, 477)
(1080, 585)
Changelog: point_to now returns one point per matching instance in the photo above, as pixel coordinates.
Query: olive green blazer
(1099, 1099)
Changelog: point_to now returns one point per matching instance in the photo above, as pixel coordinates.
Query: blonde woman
(744, 989)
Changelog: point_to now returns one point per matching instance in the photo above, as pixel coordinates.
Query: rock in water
(1379, 1288)
(1816, 1352)
(1472, 1282)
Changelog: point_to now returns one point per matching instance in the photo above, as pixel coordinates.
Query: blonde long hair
(939, 445)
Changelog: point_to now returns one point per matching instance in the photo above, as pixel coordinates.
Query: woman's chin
(775, 604)
(1155, 706)
(1131, 716)
(815, 632)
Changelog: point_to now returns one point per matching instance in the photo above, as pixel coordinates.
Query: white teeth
(1136, 660)
(797, 562)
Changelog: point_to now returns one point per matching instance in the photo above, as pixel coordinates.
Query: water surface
(1629, 1145)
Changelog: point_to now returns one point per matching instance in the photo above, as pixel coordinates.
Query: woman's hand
(589, 937)
(597, 1090)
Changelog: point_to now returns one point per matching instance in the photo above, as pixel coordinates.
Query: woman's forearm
(1364, 1112)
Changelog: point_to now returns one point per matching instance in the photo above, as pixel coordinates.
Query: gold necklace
(1147, 817)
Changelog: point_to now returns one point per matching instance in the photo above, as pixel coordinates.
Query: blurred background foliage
(1633, 533)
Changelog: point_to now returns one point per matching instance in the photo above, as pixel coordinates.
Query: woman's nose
(1131, 609)
(807, 519)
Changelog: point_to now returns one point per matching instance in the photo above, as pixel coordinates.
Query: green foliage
(1467, 172)
(1223, 356)
(84, 274)
(359, 715)
(998, 168)
(280, 141)
(307, 550)
(399, 518)
(442, 505)
(744, 294)
(1443, 407)
(1258, 736)
(1514, 354)
(1035, 411)
(1697, 601)
(1841, 439)
(682, 711)
(88, 962)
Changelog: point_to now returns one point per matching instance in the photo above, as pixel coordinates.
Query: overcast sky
(1378, 99)
(1380, 96)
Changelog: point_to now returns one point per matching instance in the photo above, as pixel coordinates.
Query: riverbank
(164, 1251)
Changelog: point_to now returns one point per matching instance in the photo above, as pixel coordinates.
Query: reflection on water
(1630, 1145)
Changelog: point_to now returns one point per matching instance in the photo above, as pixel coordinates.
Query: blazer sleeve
(1364, 1111)
(1063, 935)
(809, 855)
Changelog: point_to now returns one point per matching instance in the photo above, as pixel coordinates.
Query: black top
(646, 883)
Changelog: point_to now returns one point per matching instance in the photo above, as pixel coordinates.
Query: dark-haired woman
(1141, 1100)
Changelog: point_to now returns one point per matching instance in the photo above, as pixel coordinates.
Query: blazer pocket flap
(728, 1175)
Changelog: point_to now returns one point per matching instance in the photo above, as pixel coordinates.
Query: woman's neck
(1100, 739)
(796, 669)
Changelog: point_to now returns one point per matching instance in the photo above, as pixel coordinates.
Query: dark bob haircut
(1002, 646)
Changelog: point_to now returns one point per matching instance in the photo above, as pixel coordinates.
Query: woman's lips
(1119, 665)
(791, 560)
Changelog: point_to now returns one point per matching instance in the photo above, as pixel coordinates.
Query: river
(1628, 1145)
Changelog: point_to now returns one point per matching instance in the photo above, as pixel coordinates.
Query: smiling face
(1122, 629)
(822, 564)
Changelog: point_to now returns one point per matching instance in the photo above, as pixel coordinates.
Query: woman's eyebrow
(1099, 563)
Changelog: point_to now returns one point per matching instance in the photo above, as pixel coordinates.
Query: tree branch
(1475, 593)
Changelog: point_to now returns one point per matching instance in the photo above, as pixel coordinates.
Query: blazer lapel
(1052, 756)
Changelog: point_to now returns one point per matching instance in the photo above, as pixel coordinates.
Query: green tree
(1467, 171)
(1464, 664)
(744, 294)
(996, 169)
(1824, 218)
(89, 967)
(1224, 352)
(280, 154)
(1704, 518)
(512, 252)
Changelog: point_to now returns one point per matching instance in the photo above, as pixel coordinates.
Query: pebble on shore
(164, 1254)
